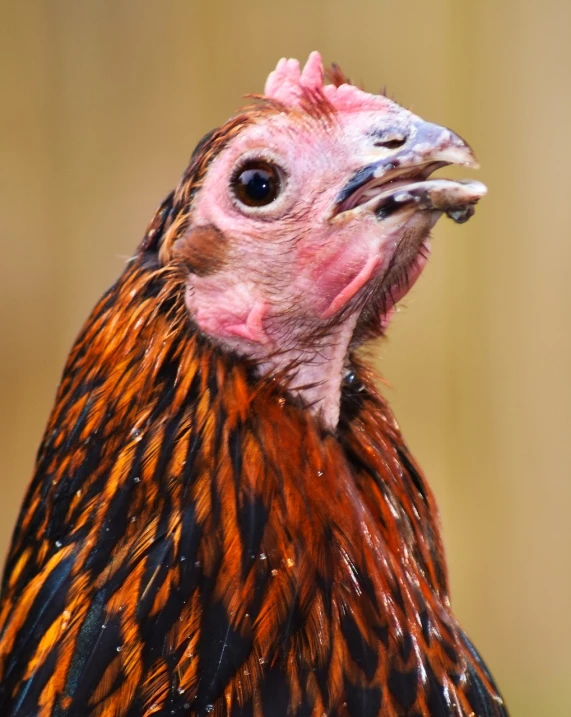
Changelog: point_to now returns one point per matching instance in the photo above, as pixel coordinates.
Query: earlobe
(227, 313)
(252, 328)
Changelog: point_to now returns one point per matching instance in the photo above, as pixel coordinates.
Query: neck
(307, 356)
(315, 373)
(232, 517)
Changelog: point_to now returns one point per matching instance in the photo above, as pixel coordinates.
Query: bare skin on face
(320, 216)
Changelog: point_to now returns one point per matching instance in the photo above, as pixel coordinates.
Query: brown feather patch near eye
(203, 250)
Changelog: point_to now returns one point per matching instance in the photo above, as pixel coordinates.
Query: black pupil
(257, 185)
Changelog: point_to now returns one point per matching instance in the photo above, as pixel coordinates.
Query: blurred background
(102, 102)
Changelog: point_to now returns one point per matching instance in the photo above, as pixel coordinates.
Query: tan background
(102, 102)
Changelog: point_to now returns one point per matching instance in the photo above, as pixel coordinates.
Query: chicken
(224, 519)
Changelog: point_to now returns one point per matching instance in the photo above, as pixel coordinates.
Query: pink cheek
(336, 277)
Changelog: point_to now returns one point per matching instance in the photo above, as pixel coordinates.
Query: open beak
(401, 178)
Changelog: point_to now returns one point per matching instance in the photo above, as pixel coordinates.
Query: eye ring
(257, 183)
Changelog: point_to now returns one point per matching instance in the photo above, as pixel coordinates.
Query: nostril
(392, 141)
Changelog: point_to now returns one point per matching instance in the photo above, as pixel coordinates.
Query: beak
(430, 142)
(409, 155)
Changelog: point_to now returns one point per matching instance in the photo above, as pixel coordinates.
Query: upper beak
(430, 142)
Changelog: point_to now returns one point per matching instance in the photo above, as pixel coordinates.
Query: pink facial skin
(292, 287)
(295, 251)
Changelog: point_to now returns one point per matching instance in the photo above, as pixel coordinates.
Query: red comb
(288, 84)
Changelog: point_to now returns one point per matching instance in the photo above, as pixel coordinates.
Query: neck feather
(199, 463)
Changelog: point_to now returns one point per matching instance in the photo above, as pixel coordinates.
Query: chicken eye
(257, 184)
